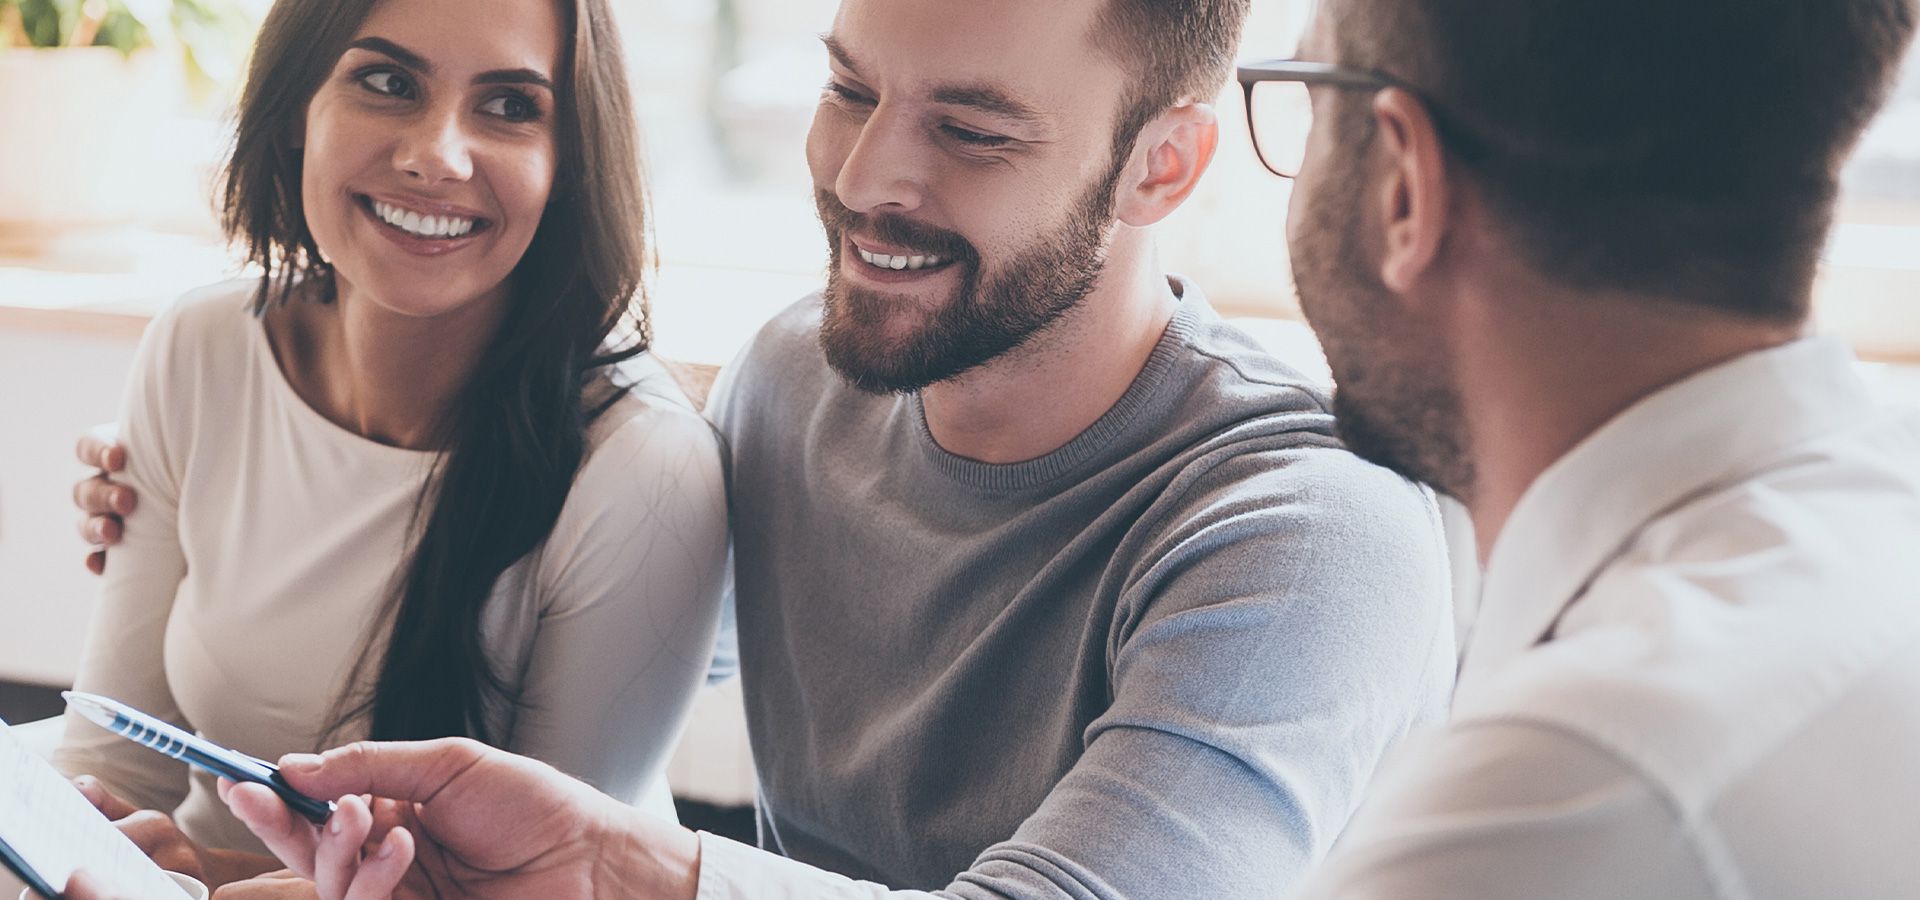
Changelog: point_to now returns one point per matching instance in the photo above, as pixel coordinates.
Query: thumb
(81, 886)
(412, 771)
(102, 799)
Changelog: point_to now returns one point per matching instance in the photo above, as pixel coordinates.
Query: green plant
(212, 34)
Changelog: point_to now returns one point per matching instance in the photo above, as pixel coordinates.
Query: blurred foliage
(211, 34)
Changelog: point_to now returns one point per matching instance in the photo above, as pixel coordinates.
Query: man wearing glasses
(1560, 253)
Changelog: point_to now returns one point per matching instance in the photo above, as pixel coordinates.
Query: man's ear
(1414, 201)
(1173, 151)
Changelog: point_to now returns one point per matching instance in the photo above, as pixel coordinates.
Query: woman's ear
(1172, 152)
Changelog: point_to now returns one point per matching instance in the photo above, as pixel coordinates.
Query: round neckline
(268, 359)
(1088, 443)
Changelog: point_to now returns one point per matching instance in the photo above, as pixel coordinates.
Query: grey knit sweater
(1161, 661)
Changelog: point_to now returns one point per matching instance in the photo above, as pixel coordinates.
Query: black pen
(194, 750)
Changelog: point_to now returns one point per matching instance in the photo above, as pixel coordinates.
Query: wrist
(641, 856)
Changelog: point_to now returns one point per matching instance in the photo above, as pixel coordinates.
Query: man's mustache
(897, 231)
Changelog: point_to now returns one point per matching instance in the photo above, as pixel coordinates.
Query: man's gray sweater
(1161, 661)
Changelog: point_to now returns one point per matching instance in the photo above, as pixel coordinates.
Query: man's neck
(1536, 385)
(1035, 400)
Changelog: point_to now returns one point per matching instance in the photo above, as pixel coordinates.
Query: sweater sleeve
(124, 652)
(632, 575)
(1288, 624)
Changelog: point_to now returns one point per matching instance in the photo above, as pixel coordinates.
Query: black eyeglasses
(1280, 112)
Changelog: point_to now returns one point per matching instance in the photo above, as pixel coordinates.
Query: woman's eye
(387, 83)
(514, 107)
(974, 138)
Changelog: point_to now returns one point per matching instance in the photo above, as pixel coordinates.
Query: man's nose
(886, 169)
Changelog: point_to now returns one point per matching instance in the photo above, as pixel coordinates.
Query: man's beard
(1394, 403)
(990, 314)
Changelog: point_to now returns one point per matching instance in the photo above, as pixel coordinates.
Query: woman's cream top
(268, 540)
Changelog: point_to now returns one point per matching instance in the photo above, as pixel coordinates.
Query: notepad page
(57, 831)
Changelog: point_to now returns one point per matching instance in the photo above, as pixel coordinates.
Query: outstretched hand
(454, 817)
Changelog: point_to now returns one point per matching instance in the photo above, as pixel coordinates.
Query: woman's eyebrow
(419, 63)
(514, 76)
(400, 54)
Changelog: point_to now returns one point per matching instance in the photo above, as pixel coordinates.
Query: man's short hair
(1173, 50)
(1684, 149)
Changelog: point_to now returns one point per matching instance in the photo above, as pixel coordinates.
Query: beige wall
(59, 374)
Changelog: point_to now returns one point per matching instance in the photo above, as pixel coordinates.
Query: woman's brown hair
(515, 435)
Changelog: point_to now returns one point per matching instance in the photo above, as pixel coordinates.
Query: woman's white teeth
(897, 263)
(424, 226)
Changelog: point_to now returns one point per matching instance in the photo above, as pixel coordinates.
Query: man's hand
(102, 500)
(162, 841)
(472, 820)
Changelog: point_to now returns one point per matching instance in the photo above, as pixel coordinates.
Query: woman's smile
(421, 228)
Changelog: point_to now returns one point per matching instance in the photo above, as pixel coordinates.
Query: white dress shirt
(1696, 673)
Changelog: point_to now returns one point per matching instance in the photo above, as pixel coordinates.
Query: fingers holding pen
(337, 853)
(345, 867)
(379, 875)
(293, 839)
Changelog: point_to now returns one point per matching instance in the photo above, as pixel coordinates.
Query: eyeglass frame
(1312, 74)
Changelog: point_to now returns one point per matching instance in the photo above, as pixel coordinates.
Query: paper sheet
(53, 827)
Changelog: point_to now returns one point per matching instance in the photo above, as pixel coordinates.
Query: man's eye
(848, 95)
(387, 83)
(974, 138)
(512, 106)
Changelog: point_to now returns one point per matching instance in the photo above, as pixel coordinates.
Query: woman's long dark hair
(515, 434)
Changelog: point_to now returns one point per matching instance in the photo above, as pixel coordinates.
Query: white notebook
(53, 828)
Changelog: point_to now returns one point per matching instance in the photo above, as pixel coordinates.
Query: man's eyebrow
(419, 63)
(985, 98)
(988, 99)
(839, 52)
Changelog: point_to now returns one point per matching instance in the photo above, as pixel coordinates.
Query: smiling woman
(433, 485)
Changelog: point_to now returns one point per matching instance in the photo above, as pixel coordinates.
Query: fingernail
(120, 499)
(333, 824)
(106, 455)
(386, 849)
(305, 762)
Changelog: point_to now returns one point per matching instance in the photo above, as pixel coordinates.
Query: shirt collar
(1707, 430)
